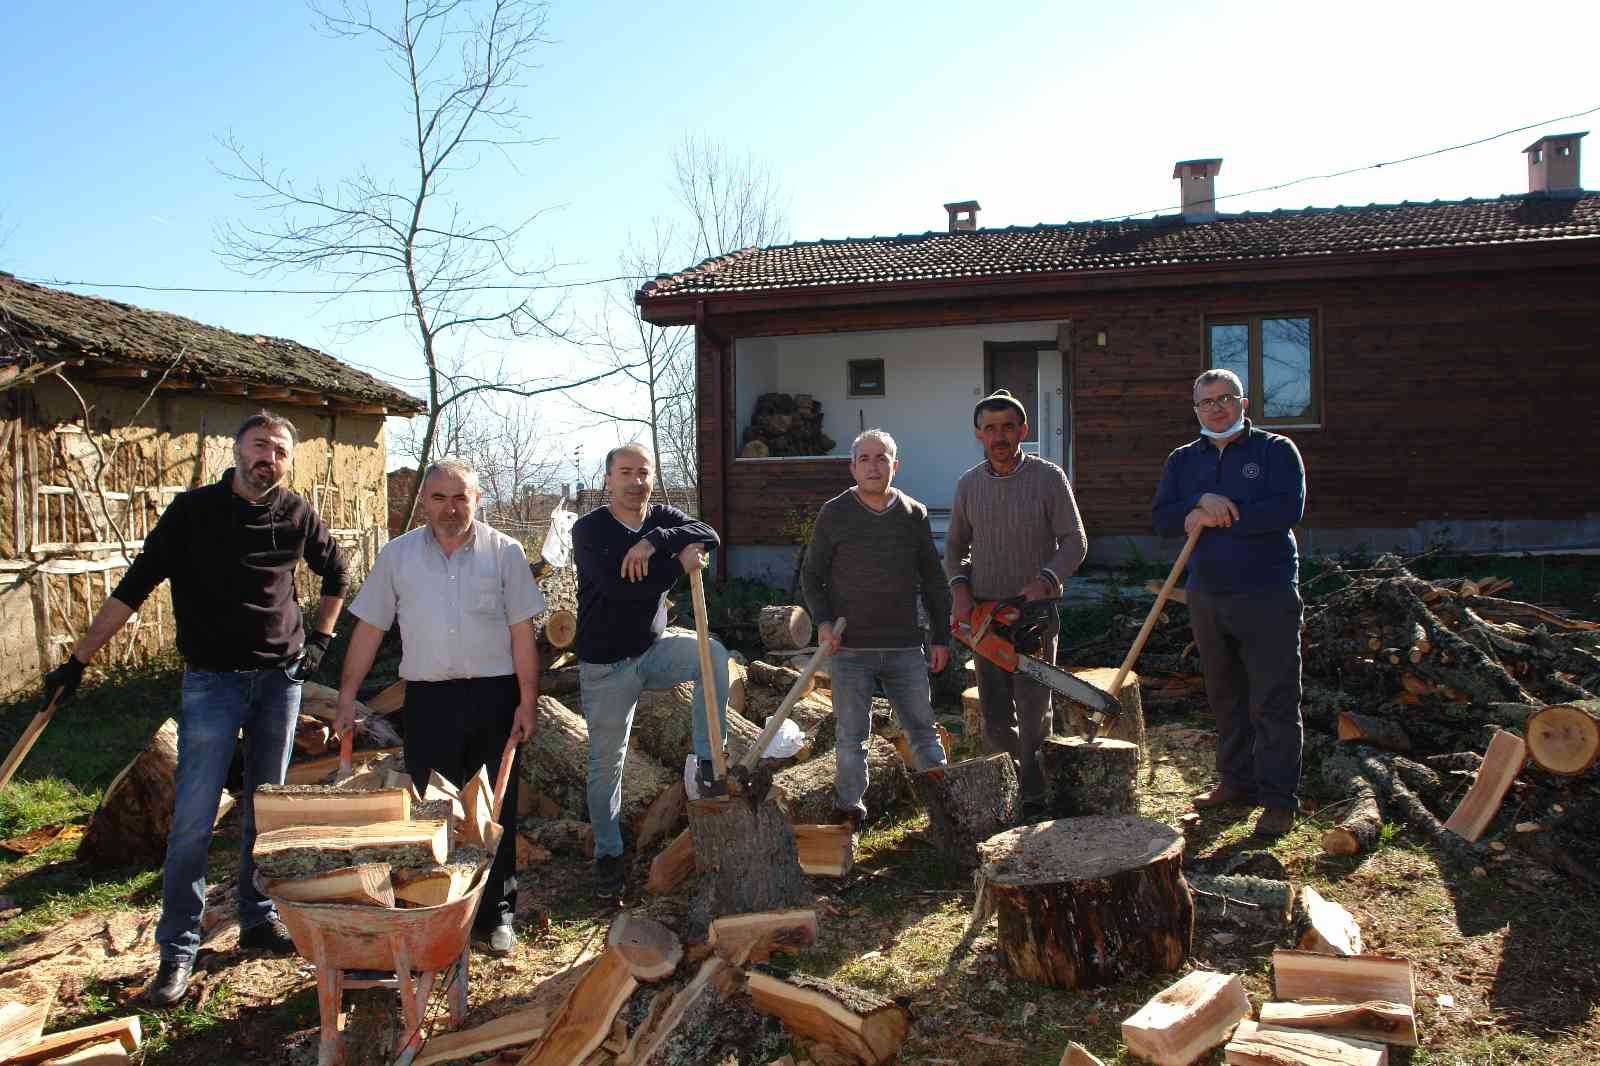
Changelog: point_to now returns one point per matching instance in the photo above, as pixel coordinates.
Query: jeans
(214, 708)
(1017, 716)
(1249, 644)
(610, 695)
(455, 727)
(904, 674)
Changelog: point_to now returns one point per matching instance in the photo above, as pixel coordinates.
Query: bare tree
(729, 202)
(458, 279)
(516, 462)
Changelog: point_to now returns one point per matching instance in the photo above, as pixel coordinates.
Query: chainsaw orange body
(1007, 632)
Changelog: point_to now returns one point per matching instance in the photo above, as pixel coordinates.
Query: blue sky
(870, 114)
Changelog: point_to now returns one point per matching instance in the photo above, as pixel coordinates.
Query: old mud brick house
(1437, 363)
(163, 396)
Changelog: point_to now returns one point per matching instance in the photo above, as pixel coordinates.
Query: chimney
(1199, 188)
(963, 216)
(1553, 164)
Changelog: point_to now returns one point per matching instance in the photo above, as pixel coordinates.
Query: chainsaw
(1008, 633)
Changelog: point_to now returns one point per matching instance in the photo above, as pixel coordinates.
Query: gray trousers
(1249, 644)
(1016, 716)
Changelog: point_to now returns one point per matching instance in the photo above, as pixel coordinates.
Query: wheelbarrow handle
(502, 780)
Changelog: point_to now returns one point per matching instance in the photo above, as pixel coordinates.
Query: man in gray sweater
(1014, 530)
(871, 554)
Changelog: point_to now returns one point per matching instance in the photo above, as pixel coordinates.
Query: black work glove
(311, 655)
(63, 679)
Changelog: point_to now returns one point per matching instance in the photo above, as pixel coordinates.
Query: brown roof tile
(39, 322)
(1164, 240)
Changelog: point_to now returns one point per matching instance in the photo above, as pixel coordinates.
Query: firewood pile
(374, 838)
(1447, 706)
(785, 425)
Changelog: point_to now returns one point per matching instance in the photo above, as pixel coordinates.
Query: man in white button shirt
(465, 598)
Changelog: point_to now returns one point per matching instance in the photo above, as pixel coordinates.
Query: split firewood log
(1256, 1045)
(125, 1033)
(1327, 928)
(1308, 976)
(825, 850)
(22, 1024)
(367, 884)
(1186, 1019)
(584, 1020)
(507, 1031)
(1375, 1020)
(671, 865)
(755, 937)
(704, 1020)
(316, 771)
(135, 813)
(281, 806)
(430, 886)
(389, 700)
(300, 851)
(1078, 1055)
(863, 1024)
(555, 762)
(1501, 763)
(784, 628)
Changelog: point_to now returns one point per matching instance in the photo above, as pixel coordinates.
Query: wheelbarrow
(359, 947)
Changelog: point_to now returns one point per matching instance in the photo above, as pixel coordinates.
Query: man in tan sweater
(1014, 530)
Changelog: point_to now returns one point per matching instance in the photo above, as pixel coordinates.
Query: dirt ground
(1505, 965)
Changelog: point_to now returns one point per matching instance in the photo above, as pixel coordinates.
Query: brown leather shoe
(1274, 822)
(1222, 796)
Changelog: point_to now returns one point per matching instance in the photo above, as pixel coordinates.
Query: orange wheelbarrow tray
(415, 944)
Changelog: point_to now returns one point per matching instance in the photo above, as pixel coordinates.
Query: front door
(1035, 373)
(1015, 368)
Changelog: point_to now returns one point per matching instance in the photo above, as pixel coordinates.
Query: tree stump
(1084, 777)
(747, 859)
(1087, 901)
(784, 628)
(1129, 725)
(135, 815)
(968, 802)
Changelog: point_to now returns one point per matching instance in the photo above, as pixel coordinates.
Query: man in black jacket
(629, 554)
(230, 550)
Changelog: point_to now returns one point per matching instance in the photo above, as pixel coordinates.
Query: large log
(968, 802)
(663, 726)
(1501, 764)
(747, 859)
(281, 806)
(555, 762)
(810, 784)
(1564, 738)
(1084, 777)
(135, 814)
(1128, 725)
(863, 1024)
(1088, 901)
(1254, 1045)
(1183, 1021)
(784, 628)
(300, 851)
(778, 678)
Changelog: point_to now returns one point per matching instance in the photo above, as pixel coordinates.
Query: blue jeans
(215, 707)
(610, 695)
(904, 674)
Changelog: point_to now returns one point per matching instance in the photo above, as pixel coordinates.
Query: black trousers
(455, 727)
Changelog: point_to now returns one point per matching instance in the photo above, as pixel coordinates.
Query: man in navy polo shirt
(1247, 488)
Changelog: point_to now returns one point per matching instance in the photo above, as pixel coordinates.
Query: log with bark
(1403, 805)
(280, 806)
(650, 950)
(1087, 901)
(1256, 1045)
(810, 784)
(1128, 725)
(1186, 1019)
(865, 1025)
(563, 836)
(300, 851)
(745, 852)
(968, 802)
(742, 938)
(663, 725)
(135, 814)
(1260, 903)
(1564, 738)
(1084, 777)
(784, 628)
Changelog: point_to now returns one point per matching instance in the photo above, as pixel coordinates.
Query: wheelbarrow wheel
(372, 1028)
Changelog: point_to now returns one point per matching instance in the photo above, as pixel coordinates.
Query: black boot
(172, 981)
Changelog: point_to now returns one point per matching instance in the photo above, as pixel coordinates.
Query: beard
(259, 477)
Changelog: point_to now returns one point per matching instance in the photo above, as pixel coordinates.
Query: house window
(866, 377)
(1276, 358)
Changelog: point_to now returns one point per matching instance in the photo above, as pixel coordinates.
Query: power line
(63, 283)
(1370, 166)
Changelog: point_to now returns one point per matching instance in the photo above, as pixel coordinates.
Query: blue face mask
(1230, 431)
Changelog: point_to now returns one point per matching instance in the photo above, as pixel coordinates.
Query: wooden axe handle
(26, 741)
(1155, 610)
(708, 680)
(781, 715)
(347, 743)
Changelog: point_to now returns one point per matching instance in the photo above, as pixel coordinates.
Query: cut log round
(810, 785)
(1564, 738)
(561, 628)
(784, 628)
(968, 802)
(1362, 823)
(650, 950)
(1129, 724)
(1084, 777)
(1088, 901)
(135, 814)
(747, 859)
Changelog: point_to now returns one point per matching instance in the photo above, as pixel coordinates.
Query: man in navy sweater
(1247, 489)
(629, 554)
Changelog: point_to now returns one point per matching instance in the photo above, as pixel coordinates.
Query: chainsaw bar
(1071, 686)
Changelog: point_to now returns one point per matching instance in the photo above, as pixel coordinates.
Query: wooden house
(109, 411)
(1438, 364)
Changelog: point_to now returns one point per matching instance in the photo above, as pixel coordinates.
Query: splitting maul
(1008, 633)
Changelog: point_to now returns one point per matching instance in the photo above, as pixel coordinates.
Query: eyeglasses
(1215, 404)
